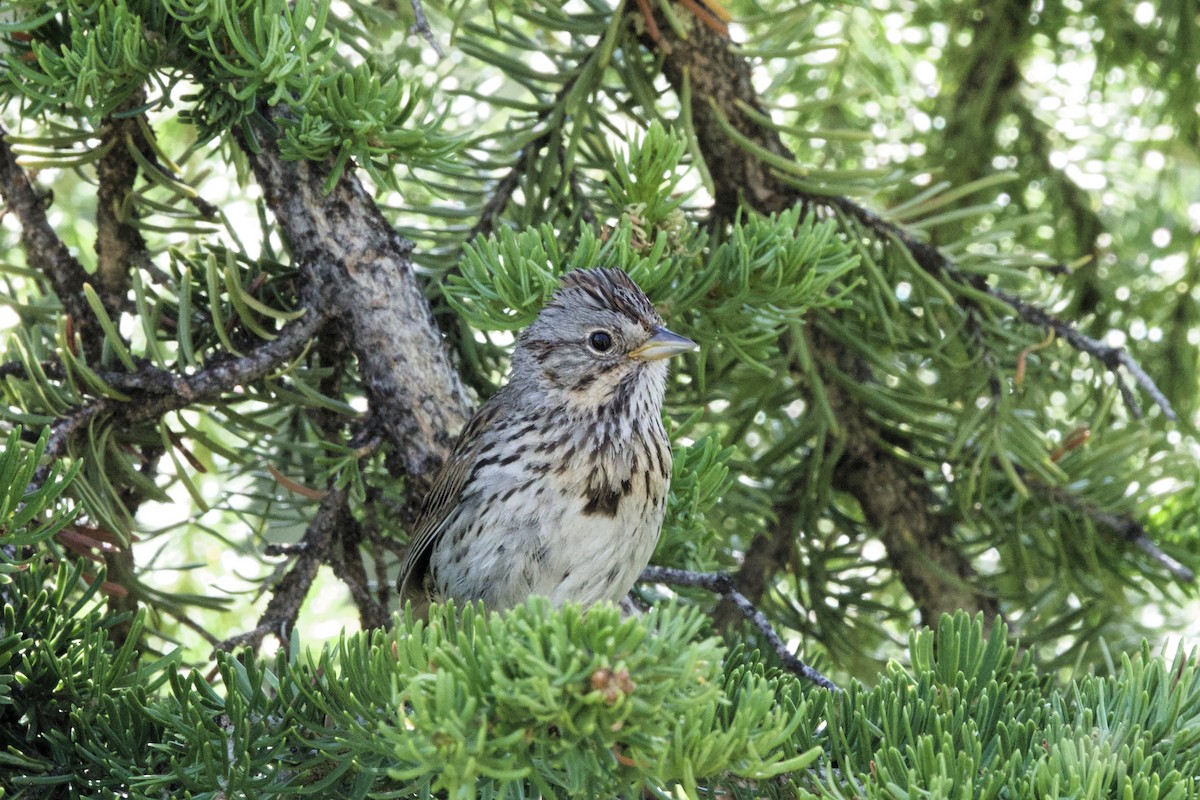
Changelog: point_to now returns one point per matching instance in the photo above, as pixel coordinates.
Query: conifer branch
(1125, 527)
(345, 558)
(721, 583)
(720, 82)
(61, 433)
(119, 243)
(156, 391)
(894, 495)
(505, 188)
(348, 253)
(289, 594)
(421, 26)
(226, 374)
(936, 263)
(44, 250)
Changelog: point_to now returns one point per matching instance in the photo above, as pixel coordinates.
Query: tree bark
(352, 259)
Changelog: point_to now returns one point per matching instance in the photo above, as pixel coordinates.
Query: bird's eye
(600, 341)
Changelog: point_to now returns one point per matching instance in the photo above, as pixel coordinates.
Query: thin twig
(421, 26)
(289, 594)
(507, 186)
(224, 375)
(203, 632)
(1111, 357)
(934, 261)
(44, 250)
(1143, 543)
(204, 386)
(345, 558)
(722, 583)
(1125, 527)
(62, 431)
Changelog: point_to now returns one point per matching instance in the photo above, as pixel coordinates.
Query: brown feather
(443, 496)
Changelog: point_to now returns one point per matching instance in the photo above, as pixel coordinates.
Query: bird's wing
(443, 496)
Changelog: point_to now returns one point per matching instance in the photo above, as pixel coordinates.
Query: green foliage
(28, 519)
(504, 280)
(96, 68)
(29, 510)
(565, 703)
(95, 56)
(542, 702)
(741, 295)
(768, 274)
(742, 291)
(699, 479)
(360, 115)
(601, 168)
(507, 169)
(58, 668)
(971, 719)
(538, 700)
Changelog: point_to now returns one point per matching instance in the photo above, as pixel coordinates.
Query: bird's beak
(663, 344)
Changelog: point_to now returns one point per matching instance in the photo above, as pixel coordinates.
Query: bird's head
(598, 338)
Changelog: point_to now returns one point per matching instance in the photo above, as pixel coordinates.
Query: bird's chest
(604, 519)
(574, 520)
